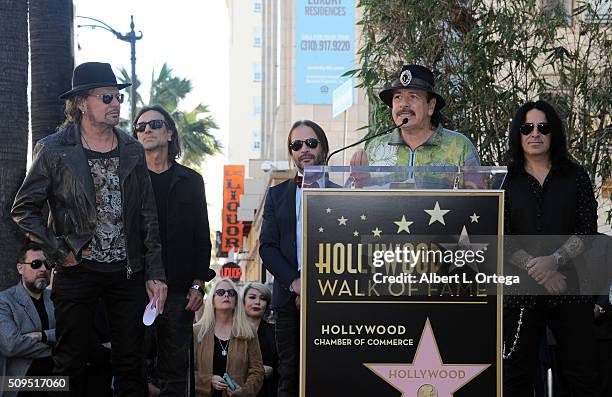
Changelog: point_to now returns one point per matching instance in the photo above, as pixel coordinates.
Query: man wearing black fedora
(102, 233)
(421, 140)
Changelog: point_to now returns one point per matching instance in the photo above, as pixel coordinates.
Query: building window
(257, 5)
(257, 37)
(256, 106)
(601, 12)
(256, 140)
(257, 72)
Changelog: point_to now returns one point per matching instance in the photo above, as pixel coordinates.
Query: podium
(401, 290)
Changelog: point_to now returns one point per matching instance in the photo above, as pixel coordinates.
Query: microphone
(404, 121)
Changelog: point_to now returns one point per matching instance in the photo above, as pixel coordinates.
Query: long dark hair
(174, 146)
(559, 155)
(318, 132)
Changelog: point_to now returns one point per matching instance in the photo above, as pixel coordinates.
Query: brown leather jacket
(60, 176)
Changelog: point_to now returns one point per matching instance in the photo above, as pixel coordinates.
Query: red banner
(233, 187)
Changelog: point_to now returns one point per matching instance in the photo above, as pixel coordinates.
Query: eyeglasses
(108, 98)
(310, 142)
(155, 125)
(543, 128)
(37, 263)
(230, 292)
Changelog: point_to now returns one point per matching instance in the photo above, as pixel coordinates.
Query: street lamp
(130, 37)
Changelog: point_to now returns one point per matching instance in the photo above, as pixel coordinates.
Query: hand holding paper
(157, 289)
(150, 313)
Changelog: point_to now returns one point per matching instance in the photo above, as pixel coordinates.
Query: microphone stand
(404, 121)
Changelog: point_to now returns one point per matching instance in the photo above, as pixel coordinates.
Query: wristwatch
(559, 259)
(198, 288)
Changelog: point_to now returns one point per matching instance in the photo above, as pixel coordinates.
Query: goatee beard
(36, 287)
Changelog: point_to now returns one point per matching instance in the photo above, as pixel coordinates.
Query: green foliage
(489, 57)
(168, 90)
(194, 126)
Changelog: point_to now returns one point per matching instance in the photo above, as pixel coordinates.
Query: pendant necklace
(223, 348)
(89, 147)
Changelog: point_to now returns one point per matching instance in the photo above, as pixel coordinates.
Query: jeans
(174, 334)
(572, 326)
(75, 295)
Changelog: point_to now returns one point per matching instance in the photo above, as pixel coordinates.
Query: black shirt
(161, 187)
(40, 366)
(219, 360)
(563, 205)
(269, 356)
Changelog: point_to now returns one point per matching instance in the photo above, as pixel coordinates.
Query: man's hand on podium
(360, 159)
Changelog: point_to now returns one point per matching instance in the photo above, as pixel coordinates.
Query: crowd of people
(128, 225)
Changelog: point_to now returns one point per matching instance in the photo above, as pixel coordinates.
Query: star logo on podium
(427, 375)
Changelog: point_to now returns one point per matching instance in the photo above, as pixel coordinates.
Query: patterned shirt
(444, 148)
(108, 243)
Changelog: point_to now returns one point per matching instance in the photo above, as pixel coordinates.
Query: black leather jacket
(60, 176)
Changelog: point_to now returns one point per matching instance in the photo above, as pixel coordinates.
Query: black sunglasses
(155, 124)
(108, 98)
(37, 263)
(543, 128)
(297, 144)
(230, 292)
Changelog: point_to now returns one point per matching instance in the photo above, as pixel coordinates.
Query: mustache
(306, 156)
(406, 110)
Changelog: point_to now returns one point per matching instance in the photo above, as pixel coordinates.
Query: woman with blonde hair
(256, 298)
(225, 342)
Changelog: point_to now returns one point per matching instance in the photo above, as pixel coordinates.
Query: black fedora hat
(414, 77)
(90, 75)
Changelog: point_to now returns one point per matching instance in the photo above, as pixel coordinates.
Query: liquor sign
(394, 293)
(233, 187)
(231, 270)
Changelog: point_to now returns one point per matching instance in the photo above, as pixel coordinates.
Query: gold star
(437, 215)
(403, 225)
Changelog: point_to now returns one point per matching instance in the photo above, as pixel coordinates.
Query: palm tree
(52, 61)
(14, 126)
(194, 127)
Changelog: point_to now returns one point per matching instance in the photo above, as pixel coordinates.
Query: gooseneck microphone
(404, 121)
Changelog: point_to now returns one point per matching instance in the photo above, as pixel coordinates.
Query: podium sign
(394, 303)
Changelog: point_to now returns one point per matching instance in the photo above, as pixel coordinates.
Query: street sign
(342, 97)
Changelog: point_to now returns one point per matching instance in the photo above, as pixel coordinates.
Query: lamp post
(130, 37)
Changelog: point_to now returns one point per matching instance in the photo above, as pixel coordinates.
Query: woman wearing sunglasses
(225, 342)
(549, 204)
(256, 298)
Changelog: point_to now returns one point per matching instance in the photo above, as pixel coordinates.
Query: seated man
(27, 323)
